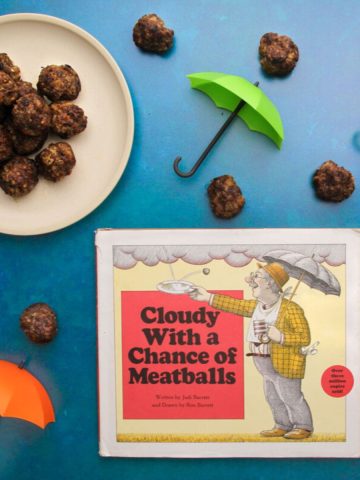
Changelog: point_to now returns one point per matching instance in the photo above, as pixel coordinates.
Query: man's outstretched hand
(200, 294)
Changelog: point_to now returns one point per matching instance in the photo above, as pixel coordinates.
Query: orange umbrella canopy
(23, 396)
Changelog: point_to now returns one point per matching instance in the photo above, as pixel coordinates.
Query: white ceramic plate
(176, 287)
(33, 41)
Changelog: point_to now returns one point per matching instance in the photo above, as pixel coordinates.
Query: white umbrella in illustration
(306, 270)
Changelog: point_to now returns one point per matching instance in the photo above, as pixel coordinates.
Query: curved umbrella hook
(211, 144)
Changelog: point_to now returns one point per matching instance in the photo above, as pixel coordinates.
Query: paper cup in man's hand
(259, 327)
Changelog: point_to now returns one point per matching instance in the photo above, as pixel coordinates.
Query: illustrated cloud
(235, 255)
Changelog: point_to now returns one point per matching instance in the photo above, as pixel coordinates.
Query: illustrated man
(276, 354)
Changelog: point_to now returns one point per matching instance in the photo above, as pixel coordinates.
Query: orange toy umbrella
(23, 396)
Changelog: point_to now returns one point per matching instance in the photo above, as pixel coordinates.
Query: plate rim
(129, 139)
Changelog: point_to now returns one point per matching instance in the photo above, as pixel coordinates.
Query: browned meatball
(226, 199)
(59, 83)
(23, 88)
(151, 34)
(67, 119)
(39, 323)
(333, 183)
(278, 54)
(56, 161)
(6, 147)
(24, 144)
(8, 90)
(4, 111)
(7, 66)
(18, 176)
(31, 115)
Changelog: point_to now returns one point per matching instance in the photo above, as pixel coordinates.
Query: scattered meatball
(226, 199)
(8, 90)
(278, 54)
(39, 323)
(59, 83)
(150, 34)
(67, 119)
(18, 176)
(31, 115)
(23, 88)
(24, 144)
(333, 183)
(6, 147)
(7, 66)
(56, 161)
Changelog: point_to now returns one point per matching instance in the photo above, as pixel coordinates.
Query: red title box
(181, 359)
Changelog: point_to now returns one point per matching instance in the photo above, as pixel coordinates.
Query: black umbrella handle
(23, 362)
(211, 144)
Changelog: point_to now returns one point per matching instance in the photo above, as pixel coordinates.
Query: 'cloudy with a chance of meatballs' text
(174, 332)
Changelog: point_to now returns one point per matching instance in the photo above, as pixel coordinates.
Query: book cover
(228, 343)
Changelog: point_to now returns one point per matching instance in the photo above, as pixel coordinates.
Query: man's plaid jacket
(286, 357)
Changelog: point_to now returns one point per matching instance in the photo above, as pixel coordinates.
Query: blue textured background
(319, 104)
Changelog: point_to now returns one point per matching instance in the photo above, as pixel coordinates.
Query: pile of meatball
(27, 116)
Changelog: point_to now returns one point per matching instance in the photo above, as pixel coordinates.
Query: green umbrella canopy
(259, 113)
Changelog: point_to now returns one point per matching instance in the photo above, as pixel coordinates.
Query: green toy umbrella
(243, 99)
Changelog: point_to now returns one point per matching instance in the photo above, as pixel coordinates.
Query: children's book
(228, 343)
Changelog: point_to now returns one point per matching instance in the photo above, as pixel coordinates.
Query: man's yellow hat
(276, 272)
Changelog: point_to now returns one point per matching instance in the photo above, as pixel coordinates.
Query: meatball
(39, 323)
(59, 83)
(3, 113)
(18, 176)
(56, 161)
(67, 119)
(8, 90)
(23, 88)
(24, 144)
(150, 34)
(6, 147)
(226, 199)
(278, 54)
(333, 183)
(31, 115)
(7, 66)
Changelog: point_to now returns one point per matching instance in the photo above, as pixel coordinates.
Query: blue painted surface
(319, 104)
